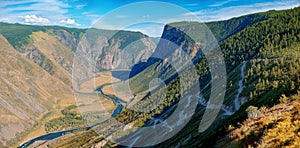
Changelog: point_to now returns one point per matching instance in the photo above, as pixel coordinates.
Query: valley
(66, 87)
(252, 63)
(53, 135)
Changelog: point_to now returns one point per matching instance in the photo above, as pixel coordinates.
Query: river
(54, 135)
(237, 103)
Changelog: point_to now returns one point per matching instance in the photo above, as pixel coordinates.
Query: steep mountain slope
(270, 51)
(59, 56)
(27, 93)
(224, 29)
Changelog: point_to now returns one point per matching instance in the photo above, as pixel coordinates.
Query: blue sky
(84, 13)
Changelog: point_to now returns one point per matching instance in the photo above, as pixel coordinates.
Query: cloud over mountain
(35, 19)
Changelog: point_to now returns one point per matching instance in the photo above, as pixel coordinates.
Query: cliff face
(180, 42)
(177, 49)
(122, 51)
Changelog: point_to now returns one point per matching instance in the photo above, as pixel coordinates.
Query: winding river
(54, 135)
(237, 103)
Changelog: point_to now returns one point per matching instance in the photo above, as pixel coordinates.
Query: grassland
(101, 78)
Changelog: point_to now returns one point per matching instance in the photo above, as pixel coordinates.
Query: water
(51, 136)
(237, 105)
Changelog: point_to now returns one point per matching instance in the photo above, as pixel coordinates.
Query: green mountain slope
(271, 50)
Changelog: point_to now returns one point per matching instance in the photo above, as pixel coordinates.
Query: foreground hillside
(278, 126)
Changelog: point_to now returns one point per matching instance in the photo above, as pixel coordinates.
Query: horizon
(132, 30)
(84, 14)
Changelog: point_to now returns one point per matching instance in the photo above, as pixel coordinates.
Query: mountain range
(261, 54)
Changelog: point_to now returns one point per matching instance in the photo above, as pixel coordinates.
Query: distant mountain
(21, 37)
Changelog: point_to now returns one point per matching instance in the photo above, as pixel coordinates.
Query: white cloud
(146, 16)
(192, 4)
(53, 10)
(150, 29)
(4, 19)
(35, 19)
(69, 22)
(80, 6)
(222, 3)
(122, 16)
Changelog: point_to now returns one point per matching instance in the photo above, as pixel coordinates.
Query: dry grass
(275, 127)
(93, 103)
(50, 46)
(102, 78)
(40, 129)
(122, 91)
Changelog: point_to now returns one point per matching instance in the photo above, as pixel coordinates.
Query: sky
(135, 15)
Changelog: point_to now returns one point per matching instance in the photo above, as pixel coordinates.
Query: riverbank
(50, 136)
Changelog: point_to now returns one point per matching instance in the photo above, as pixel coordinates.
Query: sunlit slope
(60, 56)
(27, 93)
(267, 127)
